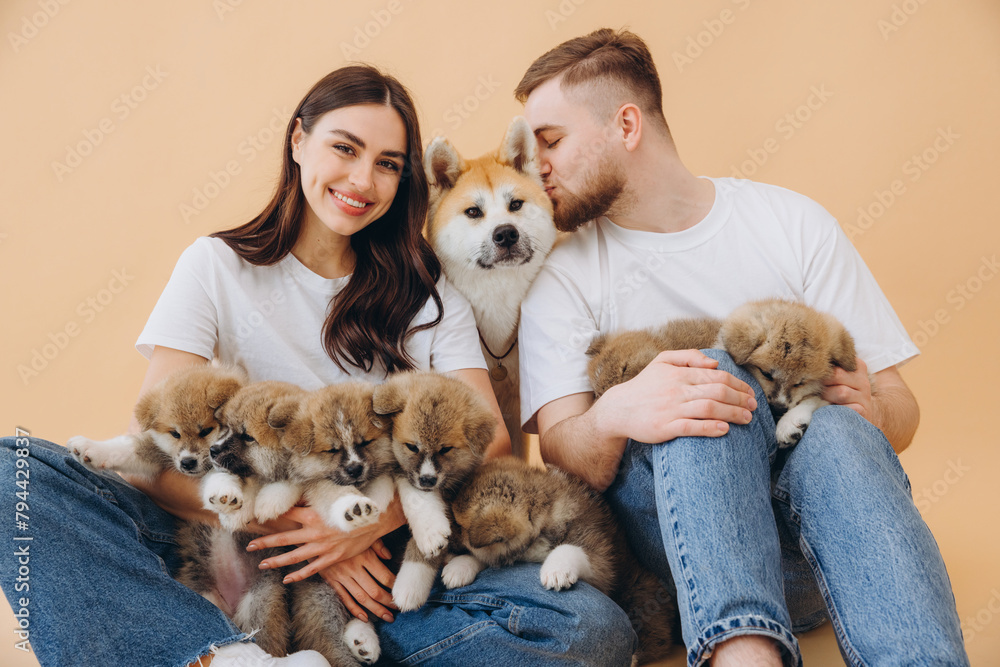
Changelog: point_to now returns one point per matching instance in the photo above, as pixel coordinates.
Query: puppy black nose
(428, 481)
(215, 450)
(778, 411)
(505, 236)
(354, 469)
(189, 464)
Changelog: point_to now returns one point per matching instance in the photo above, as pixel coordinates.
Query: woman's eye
(176, 434)
(412, 448)
(474, 212)
(205, 431)
(515, 205)
(344, 148)
(389, 165)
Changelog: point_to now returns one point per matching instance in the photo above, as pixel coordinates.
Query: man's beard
(602, 189)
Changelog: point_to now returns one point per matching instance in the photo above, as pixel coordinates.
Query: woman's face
(351, 164)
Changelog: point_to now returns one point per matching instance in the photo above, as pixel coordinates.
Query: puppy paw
(564, 567)
(222, 493)
(432, 537)
(790, 431)
(99, 455)
(352, 512)
(413, 585)
(460, 571)
(362, 642)
(275, 499)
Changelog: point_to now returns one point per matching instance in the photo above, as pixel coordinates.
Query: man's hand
(851, 389)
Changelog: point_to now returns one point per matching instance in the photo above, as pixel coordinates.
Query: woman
(331, 281)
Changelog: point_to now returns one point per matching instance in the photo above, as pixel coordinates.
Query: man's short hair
(618, 63)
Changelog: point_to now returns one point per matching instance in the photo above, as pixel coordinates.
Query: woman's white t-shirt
(269, 319)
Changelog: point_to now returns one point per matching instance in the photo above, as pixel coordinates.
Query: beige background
(202, 81)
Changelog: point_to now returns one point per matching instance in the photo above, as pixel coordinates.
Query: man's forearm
(896, 412)
(578, 447)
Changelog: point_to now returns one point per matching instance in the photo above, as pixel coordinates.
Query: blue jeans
(768, 544)
(95, 587)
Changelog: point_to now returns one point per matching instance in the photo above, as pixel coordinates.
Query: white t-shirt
(270, 319)
(757, 241)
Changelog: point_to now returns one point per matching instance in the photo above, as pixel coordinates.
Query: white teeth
(355, 204)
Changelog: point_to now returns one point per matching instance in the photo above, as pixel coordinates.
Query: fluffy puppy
(510, 511)
(491, 224)
(440, 431)
(250, 479)
(179, 421)
(789, 347)
(341, 457)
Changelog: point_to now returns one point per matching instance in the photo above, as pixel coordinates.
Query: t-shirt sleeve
(557, 326)
(185, 317)
(456, 339)
(837, 281)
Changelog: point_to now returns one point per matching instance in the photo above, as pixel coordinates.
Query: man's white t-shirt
(269, 319)
(757, 241)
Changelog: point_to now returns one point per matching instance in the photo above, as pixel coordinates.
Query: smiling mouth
(351, 202)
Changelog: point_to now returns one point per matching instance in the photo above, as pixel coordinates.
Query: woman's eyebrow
(350, 136)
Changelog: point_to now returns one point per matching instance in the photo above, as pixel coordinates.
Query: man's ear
(519, 149)
(741, 337)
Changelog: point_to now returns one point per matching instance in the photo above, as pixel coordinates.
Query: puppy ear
(480, 429)
(842, 353)
(519, 148)
(389, 397)
(221, 390)
(298, 435)
(741, 336)
(147, 406)
(443, 165)
(597, 345)
(282, 412)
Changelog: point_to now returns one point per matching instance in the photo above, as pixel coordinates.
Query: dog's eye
(798, 384)
(445, 450)
(205, 431)
(515, 205)
(767, 376)
(474, 212)
(363, 443)
(412, 448)
(175, 434)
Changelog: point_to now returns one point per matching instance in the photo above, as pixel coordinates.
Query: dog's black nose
(215, 450)
(428, 481)
(505, 236)
(778, 411)
(189, 464)
(354, 469)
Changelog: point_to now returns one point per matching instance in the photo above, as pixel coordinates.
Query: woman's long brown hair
(396, 270)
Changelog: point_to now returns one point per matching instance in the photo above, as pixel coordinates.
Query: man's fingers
(709, 428)
(714, 410)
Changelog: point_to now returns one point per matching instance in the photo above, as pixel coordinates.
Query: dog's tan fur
(440, 431)
(789, 348)
(510, 511)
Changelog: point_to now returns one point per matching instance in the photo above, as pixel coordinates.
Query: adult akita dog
(491, 225)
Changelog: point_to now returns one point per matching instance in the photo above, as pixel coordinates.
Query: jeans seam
(438, 647)
(478, 598)
(728, 628)
(848, 650)
(694, 607)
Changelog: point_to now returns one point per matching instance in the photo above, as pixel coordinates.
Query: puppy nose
(189, 464)
(505, 236)
(428, 481)
(215, 450)
(778, 410)
(354, 470)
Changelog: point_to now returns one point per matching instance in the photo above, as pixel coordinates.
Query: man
(834, 534)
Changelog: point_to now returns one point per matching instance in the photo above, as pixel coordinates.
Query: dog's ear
(597, 345)
(282, 412)
(741, 336)
(843, 353)
(480, 428)
(389, 397)
(147, 407)
(298, 435)
(443, 165)
(221, 390)
(519, 149)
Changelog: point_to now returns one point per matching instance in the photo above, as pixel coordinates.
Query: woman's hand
(356, 581)
(320, 544)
